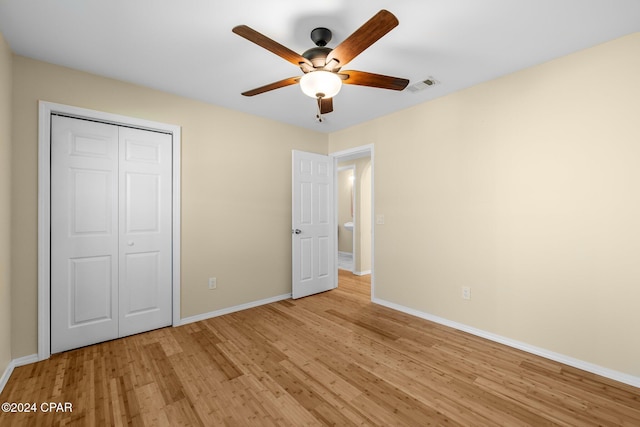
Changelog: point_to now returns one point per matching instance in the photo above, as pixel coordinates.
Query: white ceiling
(187, 48)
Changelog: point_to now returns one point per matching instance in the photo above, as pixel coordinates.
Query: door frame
(342, 156)
(45, 110)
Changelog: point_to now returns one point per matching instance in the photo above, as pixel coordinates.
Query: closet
(111, 237)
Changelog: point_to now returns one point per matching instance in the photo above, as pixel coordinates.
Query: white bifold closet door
(110, 232)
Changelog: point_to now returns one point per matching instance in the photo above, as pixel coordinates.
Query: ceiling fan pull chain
(319, 115)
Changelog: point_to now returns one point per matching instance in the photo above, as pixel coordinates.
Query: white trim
(45, 109)
(6, 375)
(556, 357)
(362, 273)
(25, 360)
(229, 310)
(44, 229)
(344, 155)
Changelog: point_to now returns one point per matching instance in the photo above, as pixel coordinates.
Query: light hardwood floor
(329, 359)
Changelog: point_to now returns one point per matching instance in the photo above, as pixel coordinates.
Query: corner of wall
(6, 90)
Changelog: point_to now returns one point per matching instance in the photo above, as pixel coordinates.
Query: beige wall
(363, 211)
(526, 189)
(5, 204)
(236, 190)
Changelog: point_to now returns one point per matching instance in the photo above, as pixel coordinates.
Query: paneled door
(313, 231)
(144, 231)
(110, 232)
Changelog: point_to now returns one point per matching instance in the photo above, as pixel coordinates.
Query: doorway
(360, 160)
(46, 112)
(346, 204)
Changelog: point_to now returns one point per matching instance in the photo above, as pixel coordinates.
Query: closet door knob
(130, 243)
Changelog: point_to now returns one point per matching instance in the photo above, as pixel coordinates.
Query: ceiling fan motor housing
(317, 56)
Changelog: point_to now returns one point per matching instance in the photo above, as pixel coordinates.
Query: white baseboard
(557, 357)
(6, 375)
(14, 364)
(362, 273)
(221, 312)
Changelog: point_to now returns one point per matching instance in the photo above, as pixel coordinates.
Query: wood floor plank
(329, 359)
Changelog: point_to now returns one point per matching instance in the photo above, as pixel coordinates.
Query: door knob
(296, 231)
(130, 243)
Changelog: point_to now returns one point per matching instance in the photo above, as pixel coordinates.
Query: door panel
(91, 211)
(324, 215)
(145, 230)
(142, 202)
(306, 259)
(324, 250)
(84, 240)
(141, 269)
(305, 203)
(314, 233)
(90, 290)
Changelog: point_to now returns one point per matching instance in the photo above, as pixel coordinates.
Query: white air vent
(424, 84)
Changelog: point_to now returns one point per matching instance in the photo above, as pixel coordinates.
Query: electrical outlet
(380, 219)
(213, 283)
(466, 292)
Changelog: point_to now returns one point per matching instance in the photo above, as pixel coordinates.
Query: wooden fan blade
(275, 85)
(326, 105)
(362, 78)
(271, 45)
(372, 30)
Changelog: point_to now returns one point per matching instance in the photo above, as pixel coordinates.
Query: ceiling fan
(321, 65)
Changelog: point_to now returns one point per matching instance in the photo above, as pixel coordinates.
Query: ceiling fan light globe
(320, 84)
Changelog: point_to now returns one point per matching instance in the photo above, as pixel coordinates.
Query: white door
(84, 233)
(313, 230)
(110, 190)
(145, 231)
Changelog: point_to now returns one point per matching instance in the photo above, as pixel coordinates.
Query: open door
(313, 228)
